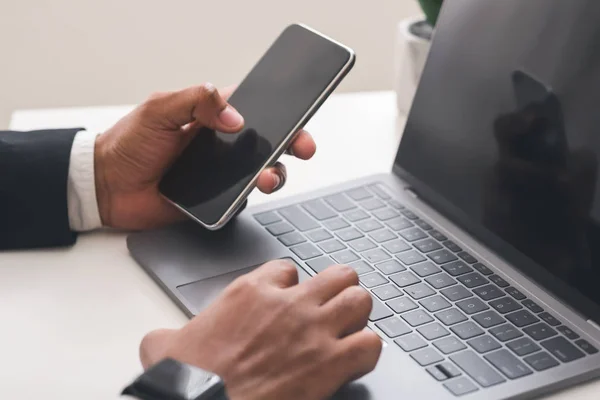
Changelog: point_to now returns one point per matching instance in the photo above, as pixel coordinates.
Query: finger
(304, 146)
(329, 283)
(272, 179)
(227, 91)
(280, 273)
(348, 312)
(357, 355)
(154, 345)
(202, 104)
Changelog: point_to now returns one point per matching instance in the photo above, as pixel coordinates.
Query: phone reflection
(216, 162)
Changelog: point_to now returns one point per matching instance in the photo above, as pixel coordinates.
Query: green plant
(431, 8)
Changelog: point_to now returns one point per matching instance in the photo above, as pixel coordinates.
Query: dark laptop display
(504, 136)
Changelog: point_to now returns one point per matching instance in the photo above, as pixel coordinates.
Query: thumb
(154, 346)
(202, 105)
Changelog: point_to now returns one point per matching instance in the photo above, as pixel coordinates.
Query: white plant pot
(410, 56)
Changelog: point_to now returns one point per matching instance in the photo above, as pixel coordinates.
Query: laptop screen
(504, 136)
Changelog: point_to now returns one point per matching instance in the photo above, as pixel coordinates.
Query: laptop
(481, 248)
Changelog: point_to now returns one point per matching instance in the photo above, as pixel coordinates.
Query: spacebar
(379, 311)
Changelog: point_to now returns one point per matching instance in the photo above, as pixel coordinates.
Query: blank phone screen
(275, 96)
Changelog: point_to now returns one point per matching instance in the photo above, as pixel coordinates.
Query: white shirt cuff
(81, 186)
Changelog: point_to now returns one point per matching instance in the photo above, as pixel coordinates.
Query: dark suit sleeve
(34, 169)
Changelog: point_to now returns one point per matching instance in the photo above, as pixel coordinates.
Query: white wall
(86, 52)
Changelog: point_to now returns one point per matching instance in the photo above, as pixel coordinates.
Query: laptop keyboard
(452, 313)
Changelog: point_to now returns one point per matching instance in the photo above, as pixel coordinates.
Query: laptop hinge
(595, 325)
(411, 192)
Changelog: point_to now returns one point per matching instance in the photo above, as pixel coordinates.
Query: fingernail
(230, 117)
(277, 180)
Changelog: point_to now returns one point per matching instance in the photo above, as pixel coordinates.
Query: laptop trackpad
(202, 293)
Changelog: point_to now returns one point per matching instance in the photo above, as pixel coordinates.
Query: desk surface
(73, 318)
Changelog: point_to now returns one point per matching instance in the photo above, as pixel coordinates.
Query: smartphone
(216, 172)
(546, 141)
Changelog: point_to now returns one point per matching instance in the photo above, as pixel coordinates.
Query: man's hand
(269, 337)
(132, 157)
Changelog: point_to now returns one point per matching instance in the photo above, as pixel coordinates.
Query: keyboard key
(359, 194)
(540, 331)
(460, 386)
(423, 225)
(452, 246)
(372, 204)
(521, 318)
(508, 364)
(586, 346)
(336, 224)
(349, 234)
(498, 281)
(505, 332)
(306, 250)
(437, 235)
(449, 345)
(425, 269)
(387, 292)
(319, 264)
(549, 319)
(401, 304)
(332, 246)
(340, 202)
(410, 257)
(523, 346)
(450, 317)
(533, 307)
(466, 330)
(280, 228)
(483, 344)
(368, 225)
(382, 235)
(292, 238)
(412, 234)
(515, 293)
(362, 244)
(505, 305)
(482, 269)
(398, 224)
(361, 267)
(427, 357)
(319, 235)
(375, 255)
(427, 245)
(435, 303)
(379, 311)
(410, 342)
(568, 332)
(437, 373)
(440, 281)
(488, 319)
(297, 217)
(379, 191)
(419, 291)
(417, 318)
(477, 368)
(488, 292)
(396, 204)
(562, 349)
(384, 214)
(319, 210)
(409, 214)
(390, 267)
(467, 257)
(472, 306)
(345, 257)
(396, 246)
(433, 331)
(541, 361)
(372, 280)
(457, 268)
(267, 218)
(356, 215)
(472, 280)
(393, 327)
(449, 369)
(405, 279)
(456, 293)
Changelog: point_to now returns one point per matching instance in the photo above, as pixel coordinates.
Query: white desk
(72, 319)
